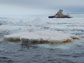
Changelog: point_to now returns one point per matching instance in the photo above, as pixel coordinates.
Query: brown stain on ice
(12, 39)
(75, 38)
(68, 41)
(40, 41)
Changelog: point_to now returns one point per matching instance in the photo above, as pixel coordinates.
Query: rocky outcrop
(64, 16)
(59, 14)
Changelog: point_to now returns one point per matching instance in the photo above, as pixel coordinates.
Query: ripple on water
(65, 53)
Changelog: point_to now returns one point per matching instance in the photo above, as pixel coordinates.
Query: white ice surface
(41, 35)
(50, 27)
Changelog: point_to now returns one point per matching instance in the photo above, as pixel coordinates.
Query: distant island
(60, 14)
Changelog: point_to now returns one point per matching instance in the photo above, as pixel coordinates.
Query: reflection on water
(25, 43)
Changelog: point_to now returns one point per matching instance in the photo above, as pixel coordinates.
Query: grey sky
(46, 3)
(25, 7)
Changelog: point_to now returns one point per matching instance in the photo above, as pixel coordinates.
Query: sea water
(11, 52)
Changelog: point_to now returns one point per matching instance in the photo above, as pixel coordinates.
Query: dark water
(22, 53)
(17, 53)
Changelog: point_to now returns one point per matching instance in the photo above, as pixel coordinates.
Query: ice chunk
(42, 36)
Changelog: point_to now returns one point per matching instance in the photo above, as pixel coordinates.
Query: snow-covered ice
(51, 36)
(43, 28)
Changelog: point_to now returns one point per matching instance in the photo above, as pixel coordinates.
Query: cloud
(36, 7)
(17, 10)
(45, 3)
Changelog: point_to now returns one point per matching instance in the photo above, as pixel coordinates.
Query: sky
(40, 7)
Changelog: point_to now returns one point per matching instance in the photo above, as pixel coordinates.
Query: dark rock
(59, 14)
(51, 17)
(65, 16)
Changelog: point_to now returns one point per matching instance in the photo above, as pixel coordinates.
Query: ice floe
(40, 29)
(41, 36)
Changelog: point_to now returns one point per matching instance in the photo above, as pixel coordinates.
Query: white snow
(43, 28)
(40, 35)
(73, 25)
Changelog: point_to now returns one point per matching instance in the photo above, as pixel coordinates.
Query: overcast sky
(40, 7)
